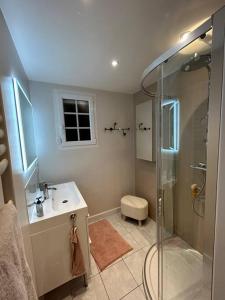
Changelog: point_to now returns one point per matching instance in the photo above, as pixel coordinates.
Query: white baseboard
(103, 214)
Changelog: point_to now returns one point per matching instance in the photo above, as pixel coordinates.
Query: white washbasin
(65, 199)
(50, 235)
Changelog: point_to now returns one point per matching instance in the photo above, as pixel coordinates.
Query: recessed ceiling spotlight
(115, 63)
(184, 36)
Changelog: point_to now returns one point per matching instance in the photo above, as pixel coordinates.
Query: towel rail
(4, 162)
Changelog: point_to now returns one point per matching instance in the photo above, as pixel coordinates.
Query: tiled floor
(122, 279)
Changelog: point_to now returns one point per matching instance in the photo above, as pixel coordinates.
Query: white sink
(50, 236)
(65, 199)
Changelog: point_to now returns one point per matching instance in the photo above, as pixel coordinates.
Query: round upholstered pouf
(134, 207)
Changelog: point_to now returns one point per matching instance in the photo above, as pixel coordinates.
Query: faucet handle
(38, 200)
(42, 185)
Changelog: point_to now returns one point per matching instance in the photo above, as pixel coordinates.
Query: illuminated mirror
(170, 125)
(25, 125)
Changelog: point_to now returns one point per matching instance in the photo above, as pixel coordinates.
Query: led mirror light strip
(16, 86)
(176, 125)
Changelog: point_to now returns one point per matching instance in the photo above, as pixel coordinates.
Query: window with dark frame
(77, 123)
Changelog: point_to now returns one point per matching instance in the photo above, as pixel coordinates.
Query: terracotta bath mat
(107, 245)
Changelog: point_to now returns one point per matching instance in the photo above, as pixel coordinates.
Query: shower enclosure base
(182, 271)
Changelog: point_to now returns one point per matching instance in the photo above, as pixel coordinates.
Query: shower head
(197, 62)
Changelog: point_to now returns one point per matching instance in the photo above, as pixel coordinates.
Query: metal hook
(140, 126)
(114, 125)
(73, 217)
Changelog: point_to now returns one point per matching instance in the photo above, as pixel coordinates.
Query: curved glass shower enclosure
(179, 266)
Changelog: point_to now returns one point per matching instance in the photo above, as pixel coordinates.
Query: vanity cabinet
(52, 249)
(144, 130)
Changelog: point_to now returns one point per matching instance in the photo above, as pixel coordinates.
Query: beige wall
(191, 89)
(145, 171)
(103, 173)
(14, 179)
(193, 93)
(10, 65)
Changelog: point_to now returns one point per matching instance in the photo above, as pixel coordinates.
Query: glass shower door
(182, 171)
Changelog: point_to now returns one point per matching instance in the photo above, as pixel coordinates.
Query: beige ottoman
(134, 207)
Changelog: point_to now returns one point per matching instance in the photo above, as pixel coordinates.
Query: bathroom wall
(191, 89)
(145, 171)
(10, 65)
(103, 173)
(14, 179)
(194, 106)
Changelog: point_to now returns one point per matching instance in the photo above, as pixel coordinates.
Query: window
(75, 119)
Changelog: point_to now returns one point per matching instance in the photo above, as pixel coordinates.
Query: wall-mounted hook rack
(115, 128)
(142, 128)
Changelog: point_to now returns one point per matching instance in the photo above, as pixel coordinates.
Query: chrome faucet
(45, 188)
(45, 191)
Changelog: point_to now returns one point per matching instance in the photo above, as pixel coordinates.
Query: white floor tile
(94, 291)
(133, 243)
(150, 226)
(94, 268)
(115, 262)
(130, 224)
(118, 223)
(115, 218)
(141, 237)
(118, 281)
(146, 249)
(142, 289)
(120, 228)
(135, 264)
(135, 295)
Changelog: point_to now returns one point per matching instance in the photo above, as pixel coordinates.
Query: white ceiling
(73, 41)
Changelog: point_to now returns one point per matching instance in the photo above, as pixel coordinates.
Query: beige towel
(77, 256)
(15, 276)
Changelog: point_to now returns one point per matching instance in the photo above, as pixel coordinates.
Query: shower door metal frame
(207, 25)
(217, 90)
(217, 131)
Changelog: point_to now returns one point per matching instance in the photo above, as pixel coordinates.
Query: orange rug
(107, 245)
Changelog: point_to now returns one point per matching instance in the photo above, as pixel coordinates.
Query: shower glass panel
(182, 167)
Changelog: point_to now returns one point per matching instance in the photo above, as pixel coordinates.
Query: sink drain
(64, 201)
